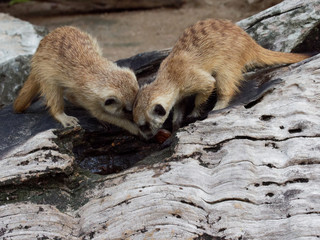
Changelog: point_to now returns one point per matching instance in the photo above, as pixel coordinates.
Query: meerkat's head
(151, 109)
(118, 98)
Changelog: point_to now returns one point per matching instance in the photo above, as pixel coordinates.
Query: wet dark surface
(17, 128)
(311, 42)
(103, 148)
(105, 153)
(100, 148)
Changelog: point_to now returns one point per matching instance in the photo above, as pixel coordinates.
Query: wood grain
(247, 172)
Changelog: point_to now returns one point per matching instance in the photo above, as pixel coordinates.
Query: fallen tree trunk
(56, 7)
(246, 172)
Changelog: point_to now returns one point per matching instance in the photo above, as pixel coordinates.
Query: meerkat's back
(68, 51)
(225, 50)
(215, 44)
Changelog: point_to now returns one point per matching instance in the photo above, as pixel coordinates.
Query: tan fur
(69, 62)
(29, 91)
(210, 54)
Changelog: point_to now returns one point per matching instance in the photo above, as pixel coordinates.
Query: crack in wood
(206, 236)
(295, 180)
(192, 204)
(218, 146)
(246, 200)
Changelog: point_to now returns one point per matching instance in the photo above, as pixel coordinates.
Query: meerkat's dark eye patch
(159, 110)
(109, 101)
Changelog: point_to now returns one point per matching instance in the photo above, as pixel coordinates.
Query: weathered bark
(54, 7)
(282, 27)
(246, 172)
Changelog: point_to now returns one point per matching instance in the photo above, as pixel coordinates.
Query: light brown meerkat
(69, 62)
(211, 54)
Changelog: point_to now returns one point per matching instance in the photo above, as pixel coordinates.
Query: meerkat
(210, 55)
(69, 62)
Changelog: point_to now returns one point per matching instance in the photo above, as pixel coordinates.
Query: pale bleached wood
(33, 221)
(38, 156)
(242, 173)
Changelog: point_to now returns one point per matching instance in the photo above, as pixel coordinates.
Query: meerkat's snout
(151, 122)
(127, 111)
(145, 131)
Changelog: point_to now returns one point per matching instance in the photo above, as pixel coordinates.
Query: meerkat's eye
(109, 101)
(159, 110)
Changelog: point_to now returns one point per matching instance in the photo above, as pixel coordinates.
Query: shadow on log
(106, 149)
(247, 172)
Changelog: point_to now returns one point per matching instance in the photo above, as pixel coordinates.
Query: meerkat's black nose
(128, 113)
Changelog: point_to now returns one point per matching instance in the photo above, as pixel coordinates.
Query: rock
(18, 41)
(276, 32)
(18, 38)
(246, 172)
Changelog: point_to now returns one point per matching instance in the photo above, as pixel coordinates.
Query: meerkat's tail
(268, 57)
(27, 93)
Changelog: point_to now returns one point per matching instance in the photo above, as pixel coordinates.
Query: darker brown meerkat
(209, 48)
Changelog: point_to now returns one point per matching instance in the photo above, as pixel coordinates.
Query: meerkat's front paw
(220, 105)
(67, 121)
(195, 113)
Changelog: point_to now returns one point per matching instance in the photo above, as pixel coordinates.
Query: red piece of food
(162, 135)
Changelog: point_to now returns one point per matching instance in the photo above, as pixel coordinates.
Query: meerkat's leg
(120, 122)
(203, 87)
(178, 114)
(65, 120)
(227, 87)
(54, 100)
(127, 125)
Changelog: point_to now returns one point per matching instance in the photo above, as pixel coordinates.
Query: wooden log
(58, 7)
(246, 172)
(30, 221)
(38, 156)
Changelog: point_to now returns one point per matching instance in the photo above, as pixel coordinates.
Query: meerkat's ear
(159, 110)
